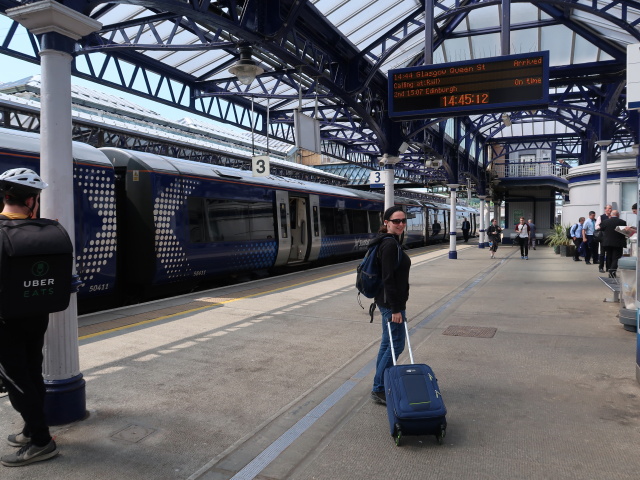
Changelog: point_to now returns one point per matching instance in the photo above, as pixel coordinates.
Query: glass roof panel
(456, 49)
(121, 13)
(484, 17)
(606, 28)
(584, 51)
(485, 46)
(523, 13)
(525, 41)
(558, 39)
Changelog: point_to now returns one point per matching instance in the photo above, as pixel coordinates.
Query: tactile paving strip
(462, 331)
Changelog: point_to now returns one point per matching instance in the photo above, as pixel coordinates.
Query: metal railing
(529, 169)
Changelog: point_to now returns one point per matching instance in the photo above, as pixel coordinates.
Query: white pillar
(388, 161)
(389, 200)
(483, 225)
(59, 27)
(61, 357)
(453, 254)
(603, 144)
(487, 220)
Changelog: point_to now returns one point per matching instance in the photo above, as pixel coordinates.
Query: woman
(494, 237)
(393, 296)
(523, 238)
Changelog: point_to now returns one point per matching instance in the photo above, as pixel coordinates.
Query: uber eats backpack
(369, 273)
(36, 260)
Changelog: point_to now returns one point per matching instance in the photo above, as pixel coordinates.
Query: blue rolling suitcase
(414, 402)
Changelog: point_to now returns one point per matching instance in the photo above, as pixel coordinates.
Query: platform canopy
(331, 58)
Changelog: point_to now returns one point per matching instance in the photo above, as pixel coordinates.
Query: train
(149, 226)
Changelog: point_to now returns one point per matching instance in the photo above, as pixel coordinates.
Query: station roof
(111, 111)
(331, 58)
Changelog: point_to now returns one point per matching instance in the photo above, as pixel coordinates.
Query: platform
(271, 380)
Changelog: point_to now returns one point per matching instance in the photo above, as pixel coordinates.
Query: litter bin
(627, 278)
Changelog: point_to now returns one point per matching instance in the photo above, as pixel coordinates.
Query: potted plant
(559, 241)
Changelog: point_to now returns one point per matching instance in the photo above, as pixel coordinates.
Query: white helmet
(21, 180)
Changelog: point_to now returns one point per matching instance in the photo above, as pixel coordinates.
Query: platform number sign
(377, 179)
(260, 166)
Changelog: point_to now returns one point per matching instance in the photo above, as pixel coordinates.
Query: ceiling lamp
(246, 69)
(506, 119)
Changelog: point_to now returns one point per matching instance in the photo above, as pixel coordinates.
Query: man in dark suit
(466, 226)
(602, 218)
(612, 241)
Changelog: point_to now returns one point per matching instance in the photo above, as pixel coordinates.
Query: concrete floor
(271, 380)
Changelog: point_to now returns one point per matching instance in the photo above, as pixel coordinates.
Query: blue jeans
(384, 360)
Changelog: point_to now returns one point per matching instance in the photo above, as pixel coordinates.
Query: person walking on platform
(21, 342)
(392, 297)
(591, 246)
(577, 237)
(532, 234)
(466, 226)
(523, 238)
(601, 218)
(612, 241)
(494, 232)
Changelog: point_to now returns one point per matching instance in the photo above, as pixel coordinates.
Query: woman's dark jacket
(395, 277)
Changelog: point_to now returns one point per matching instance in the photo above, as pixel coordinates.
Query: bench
(614, 286)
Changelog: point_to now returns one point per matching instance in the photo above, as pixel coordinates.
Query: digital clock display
(478, 86)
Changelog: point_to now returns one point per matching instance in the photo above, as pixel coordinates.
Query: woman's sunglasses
(398, 221)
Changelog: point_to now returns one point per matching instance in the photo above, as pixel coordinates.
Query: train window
(228, 220)
(283, 220)
(358, 221)
(316, 226)
(197, 227)
(293, 212)
(374, 222)
(328, 221)
(261, 216)
(212, 220)
(342, 222)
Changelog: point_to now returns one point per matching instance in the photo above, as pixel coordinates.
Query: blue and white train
(148, 225)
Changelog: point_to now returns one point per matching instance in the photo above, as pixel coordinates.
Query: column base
(65, 400)
(453, 255)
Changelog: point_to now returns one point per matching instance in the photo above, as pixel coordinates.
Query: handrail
(529, 169)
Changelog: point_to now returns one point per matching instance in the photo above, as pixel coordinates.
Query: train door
(282, 225)
(299, 226)
(315, 235)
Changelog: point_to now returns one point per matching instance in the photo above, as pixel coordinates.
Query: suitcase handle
(393, 352)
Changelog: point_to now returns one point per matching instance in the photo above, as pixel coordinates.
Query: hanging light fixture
(246, 68)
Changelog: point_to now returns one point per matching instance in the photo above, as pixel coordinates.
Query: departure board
(499, 84)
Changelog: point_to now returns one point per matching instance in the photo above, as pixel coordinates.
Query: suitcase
(414, 402)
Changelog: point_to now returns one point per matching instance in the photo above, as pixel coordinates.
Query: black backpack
(369, 275)
(36, 262)
(569, 232)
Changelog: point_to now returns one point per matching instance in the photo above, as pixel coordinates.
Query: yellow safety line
(217, 304)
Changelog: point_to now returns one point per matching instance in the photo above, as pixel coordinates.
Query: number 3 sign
(260, 166)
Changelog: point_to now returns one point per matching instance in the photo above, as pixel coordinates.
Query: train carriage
(207, 221)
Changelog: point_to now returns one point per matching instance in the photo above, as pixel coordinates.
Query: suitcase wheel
(397, 434)
(441, 434)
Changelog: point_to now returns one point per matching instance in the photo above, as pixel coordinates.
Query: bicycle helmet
(21, 181)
